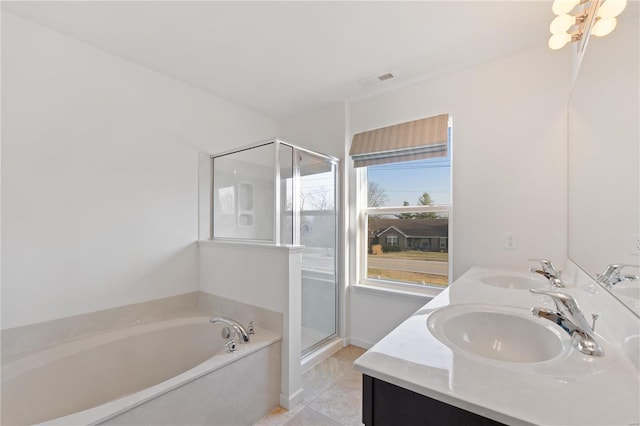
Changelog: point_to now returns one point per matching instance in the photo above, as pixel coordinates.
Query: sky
(401, 182)
(408, 181)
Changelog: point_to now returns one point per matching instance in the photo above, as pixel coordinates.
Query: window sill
(416, 295)
(245, 244)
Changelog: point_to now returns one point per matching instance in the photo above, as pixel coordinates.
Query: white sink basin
(632, 346)
(630, 291)
(498, 333)
(513, 282)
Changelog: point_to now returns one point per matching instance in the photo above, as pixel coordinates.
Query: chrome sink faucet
(548, 271)
(241, 332)
(570, 318)
(612, 275)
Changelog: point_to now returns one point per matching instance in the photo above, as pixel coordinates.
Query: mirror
(604, 157)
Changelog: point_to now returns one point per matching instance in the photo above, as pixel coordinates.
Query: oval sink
(498, 333)
(632, 292)
(512, 282)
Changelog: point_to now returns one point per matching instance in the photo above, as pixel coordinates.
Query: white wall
(99, 175)
(604, 151)
(266, 276)
(373, 315)
(321, 130)
(509, 164)
(249, 273)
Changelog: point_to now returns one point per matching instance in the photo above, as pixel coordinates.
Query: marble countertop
(573, 389)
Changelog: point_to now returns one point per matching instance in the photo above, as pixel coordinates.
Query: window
(403, 220)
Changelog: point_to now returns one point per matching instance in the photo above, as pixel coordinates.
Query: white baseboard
(288, 402)
(359, 342)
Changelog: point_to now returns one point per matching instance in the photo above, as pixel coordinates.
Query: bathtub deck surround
(423, 356)
(64, 343)
(243, 312)
(165, 372)
(23, 339)
(18, 341)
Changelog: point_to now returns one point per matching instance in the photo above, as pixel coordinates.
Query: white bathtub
(168, 372)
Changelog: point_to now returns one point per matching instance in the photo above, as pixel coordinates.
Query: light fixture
(577, 18)
(603, 26)
(558, 41)
(562, 23)
(611, 8)
(561, 7)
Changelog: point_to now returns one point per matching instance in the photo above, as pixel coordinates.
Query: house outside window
(403, 222)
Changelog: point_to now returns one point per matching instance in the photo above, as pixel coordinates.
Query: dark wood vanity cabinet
(384, 404)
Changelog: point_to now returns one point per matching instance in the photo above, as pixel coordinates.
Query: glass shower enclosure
(277, 193)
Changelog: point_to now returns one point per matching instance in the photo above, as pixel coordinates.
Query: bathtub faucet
(243, 335)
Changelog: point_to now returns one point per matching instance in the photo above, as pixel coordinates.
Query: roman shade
(413, 140)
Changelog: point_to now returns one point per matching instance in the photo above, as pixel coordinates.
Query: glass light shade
(604, 26)
(611, 8)
(561, 7)
(558, 41)
(562, 23)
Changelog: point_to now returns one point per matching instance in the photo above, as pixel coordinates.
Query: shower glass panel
(317, 209)
(277, 193)
(244, 194)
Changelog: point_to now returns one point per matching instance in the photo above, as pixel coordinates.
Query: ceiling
(284, 58)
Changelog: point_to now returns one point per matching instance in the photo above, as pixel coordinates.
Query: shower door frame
(276, 240)
(335, 163)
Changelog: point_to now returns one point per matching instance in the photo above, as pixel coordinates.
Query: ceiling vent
(372, 81)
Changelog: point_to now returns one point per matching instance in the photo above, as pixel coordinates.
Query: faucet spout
(583, 340)
(612, 275)
(554, 281)
(548, 271)
(241, 332)
(569, 317)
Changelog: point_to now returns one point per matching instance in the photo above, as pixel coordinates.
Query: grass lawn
(409, 277)
(415, 255)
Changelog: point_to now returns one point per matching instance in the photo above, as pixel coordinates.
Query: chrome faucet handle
(250, 328)
(547, 267)
(570, 319)
(611, 274)
(564, 302)
(231, 346)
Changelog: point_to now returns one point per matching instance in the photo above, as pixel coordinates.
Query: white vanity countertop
(573, 389)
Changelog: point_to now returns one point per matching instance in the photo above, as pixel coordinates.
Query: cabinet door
(384, 404)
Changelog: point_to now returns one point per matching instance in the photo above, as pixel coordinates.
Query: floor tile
(279, 416)
(340, 404)
(349, 353)
(313, 385)
(310, 417)
(332, 395)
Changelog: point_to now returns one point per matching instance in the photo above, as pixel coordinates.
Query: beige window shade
(413, 140)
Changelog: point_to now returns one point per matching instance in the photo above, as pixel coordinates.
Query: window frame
(443, 243)
(392, 240)
(363, 212)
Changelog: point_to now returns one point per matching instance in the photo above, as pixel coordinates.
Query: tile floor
(332, 395)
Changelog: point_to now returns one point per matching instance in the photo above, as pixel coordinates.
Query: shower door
(317, 201)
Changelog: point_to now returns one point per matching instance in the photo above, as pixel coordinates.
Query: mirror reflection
(604, 154)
